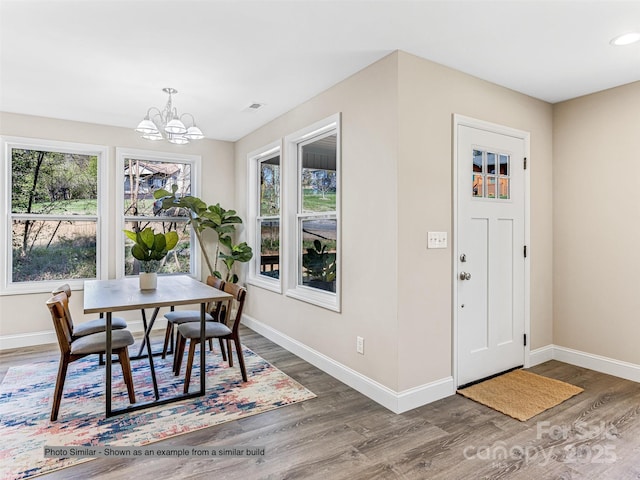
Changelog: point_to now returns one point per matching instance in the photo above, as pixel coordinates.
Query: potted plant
(213, 217)
(320, 266)
(150, 248)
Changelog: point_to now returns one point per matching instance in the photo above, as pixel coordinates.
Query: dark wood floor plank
(342, 434)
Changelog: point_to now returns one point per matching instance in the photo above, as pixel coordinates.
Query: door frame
(461, 120)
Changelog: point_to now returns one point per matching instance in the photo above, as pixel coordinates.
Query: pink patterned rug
(26, 395)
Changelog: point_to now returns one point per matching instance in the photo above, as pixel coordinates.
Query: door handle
(465, 276)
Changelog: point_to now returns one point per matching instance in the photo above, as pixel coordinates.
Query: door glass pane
(318, 250)
(318, 175)
(491, 187)
(477, 161)
(270, 248)
(478, 190)
(504, 188)
(491, 163)
(53, 250)
(270, 187)
(504, 164)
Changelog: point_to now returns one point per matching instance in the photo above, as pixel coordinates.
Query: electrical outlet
(360, 345)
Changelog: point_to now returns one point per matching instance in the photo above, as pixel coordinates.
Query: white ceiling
(106, 62)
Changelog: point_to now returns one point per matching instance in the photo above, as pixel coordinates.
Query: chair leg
(222, 349)
(211, 344)
(57, 395)
(167, 336)
(178, 354)
(230, 352)
(240, 358)
(123, 356)
(187, 375)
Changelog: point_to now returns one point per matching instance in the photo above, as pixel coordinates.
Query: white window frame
(148, 155)
(292, 215)
(7, 286)
(254, 159)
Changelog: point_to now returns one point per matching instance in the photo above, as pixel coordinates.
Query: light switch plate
(437, 240)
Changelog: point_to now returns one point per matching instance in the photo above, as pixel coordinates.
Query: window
(313, 193)
(265, 206)
(490, 175)
(53, 227)
(141, 173)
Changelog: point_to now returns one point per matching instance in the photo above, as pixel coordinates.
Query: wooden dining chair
(226, 329)
(92, 326)
(74, 349)
(178, 317)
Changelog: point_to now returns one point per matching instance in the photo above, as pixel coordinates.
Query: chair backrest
(66, 289)
(214, 307)
(58, 307)
(62, 288)
(239, 295)
(215, 282)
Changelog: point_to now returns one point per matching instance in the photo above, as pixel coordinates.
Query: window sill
(48, 286)
(266, 283)
(328, 300)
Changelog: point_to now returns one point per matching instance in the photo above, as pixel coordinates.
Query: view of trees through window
(269, 217)
(54, 212)
(141, 210)
(317, 215)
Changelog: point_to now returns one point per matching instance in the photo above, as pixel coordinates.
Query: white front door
(490, 257)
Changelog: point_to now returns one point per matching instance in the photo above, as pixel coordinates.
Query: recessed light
(626, 39)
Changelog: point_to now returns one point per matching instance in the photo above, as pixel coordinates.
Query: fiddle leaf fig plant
(150, 247)
(320, 263)
(214, 217)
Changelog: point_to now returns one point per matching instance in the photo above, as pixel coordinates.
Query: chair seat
(185, 316)
(97, 325)
(97, 342)
(212, 329)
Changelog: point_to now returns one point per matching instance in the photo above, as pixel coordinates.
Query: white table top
(125, 294)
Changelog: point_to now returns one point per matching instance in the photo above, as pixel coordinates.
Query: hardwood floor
(342, 434)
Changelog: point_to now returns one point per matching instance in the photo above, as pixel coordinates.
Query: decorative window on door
(490, 176)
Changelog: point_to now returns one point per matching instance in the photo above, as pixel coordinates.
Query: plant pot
(148, 281)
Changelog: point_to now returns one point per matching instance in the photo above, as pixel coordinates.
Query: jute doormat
(520, 394)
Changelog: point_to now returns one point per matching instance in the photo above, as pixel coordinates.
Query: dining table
(117, 295)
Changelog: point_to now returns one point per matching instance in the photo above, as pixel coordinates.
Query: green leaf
(159, 243)
(131, 235)
(161, 193)
(172, 239)
(139, 253)
(147, 237)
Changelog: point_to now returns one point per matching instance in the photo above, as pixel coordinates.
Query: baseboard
(540, 355)
(397, 402)
(610, 366)
(22, 340)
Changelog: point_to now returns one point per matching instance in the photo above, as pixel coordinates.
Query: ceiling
(106, 62)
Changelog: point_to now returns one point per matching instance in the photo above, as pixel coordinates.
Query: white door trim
(461, 120)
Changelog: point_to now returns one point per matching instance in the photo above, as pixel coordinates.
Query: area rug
(26, 395)
(520, 394)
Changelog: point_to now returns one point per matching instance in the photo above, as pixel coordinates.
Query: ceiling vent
(253, 107)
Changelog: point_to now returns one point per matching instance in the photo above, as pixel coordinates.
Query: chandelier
(167, 124)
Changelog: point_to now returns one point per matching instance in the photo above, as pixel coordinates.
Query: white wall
(24, 319)
(596, 234)
(397, 176)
